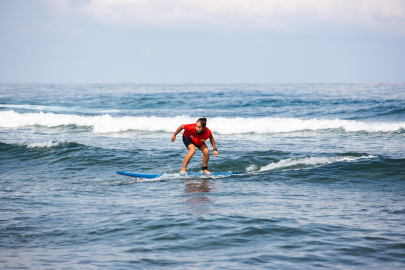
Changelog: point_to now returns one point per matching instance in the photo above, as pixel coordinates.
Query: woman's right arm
(177, 132)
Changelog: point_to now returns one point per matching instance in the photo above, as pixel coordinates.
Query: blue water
(324, 181)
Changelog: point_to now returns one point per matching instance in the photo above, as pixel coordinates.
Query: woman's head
(200, 125)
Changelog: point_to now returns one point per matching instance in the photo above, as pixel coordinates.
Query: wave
(220, 125)
(47, 144)
(299, 163)
(57, 108)
(27, 107)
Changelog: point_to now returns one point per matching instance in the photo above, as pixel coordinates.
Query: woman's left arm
(212, 140)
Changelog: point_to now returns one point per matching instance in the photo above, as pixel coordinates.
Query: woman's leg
(206, 156)
(187, 158)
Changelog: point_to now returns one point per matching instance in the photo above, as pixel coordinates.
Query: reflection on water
(198, 192)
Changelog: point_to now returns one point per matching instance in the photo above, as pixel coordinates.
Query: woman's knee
(191, 150)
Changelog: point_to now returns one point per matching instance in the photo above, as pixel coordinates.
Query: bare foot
(206, 172)
(183, 171)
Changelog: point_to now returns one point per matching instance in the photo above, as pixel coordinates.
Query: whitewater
(106, 123)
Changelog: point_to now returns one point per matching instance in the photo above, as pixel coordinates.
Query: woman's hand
(215, 153)
(177, 132)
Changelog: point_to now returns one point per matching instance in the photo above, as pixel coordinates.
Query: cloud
(376, 16)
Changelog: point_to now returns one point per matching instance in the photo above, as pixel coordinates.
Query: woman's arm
(177, 132)
(212, 140)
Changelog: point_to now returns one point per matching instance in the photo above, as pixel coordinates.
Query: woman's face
(198, 127)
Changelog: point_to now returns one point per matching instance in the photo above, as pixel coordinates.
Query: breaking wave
(220, 125)
(298, 163)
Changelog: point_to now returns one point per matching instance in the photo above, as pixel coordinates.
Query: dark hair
(203, 121)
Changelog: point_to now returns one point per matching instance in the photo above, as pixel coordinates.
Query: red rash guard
(197, 139)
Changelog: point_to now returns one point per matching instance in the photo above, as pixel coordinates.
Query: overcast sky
(202, 41)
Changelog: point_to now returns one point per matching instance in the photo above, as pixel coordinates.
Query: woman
(194, 136)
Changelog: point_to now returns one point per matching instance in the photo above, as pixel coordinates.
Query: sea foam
(291, 163)
(220, 125)
(47, 144)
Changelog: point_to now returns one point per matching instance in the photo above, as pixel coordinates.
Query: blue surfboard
(157, 175)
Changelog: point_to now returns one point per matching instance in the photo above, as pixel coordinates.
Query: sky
(209, 41)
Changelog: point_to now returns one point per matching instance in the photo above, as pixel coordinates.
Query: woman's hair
(203, 121)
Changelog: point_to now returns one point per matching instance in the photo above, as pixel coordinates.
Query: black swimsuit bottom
(187, 142)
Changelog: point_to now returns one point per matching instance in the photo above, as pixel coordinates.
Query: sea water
(324, 181)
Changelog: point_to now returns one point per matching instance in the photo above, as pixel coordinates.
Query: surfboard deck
(157, 175)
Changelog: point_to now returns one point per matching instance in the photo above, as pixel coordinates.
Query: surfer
(194, 136)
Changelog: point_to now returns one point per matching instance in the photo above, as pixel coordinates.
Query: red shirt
(197, 139)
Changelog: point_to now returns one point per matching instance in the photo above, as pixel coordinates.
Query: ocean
(323, 182)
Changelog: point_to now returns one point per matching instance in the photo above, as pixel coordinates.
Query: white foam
(264, 125)
(277, 125)
(44, 144)
(251, 168)
(308, 162)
